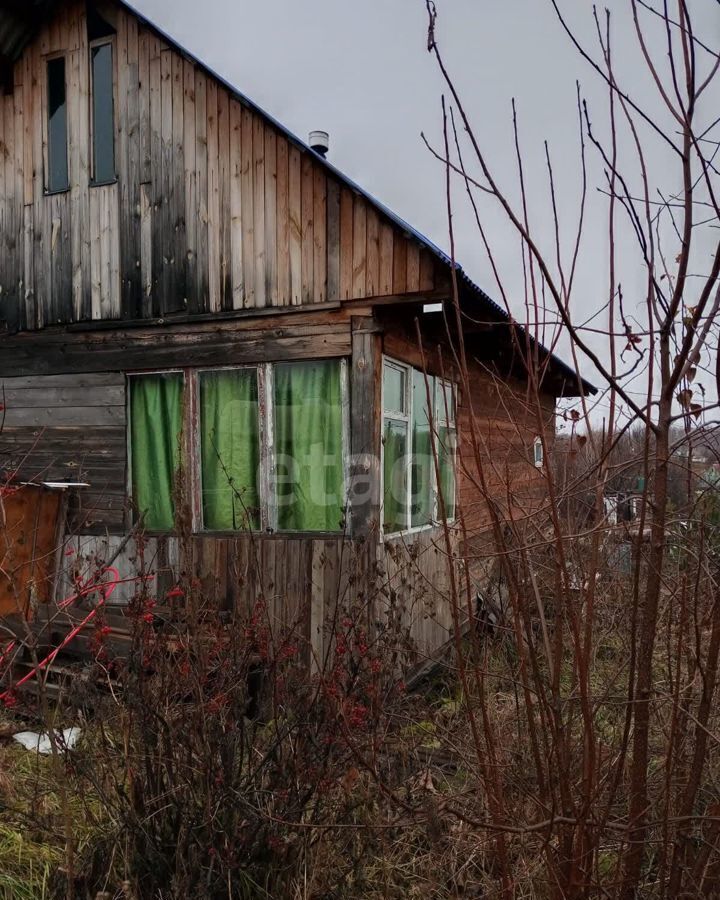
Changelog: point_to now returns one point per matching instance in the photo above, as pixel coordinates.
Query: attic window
(103, 113)
(57, 148)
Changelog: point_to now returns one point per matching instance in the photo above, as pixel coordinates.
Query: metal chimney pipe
(319, 142)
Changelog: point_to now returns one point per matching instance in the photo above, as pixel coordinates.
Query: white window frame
(407, 418)
(538, 453)
(191, 442)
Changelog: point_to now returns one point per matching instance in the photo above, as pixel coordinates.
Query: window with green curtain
(422, 468)
(155, 435)
(230, 449)
(309, 471)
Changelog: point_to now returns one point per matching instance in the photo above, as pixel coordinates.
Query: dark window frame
(93, 46)
(49, 187)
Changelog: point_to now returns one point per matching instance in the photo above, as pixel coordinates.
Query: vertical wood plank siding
(213, 209)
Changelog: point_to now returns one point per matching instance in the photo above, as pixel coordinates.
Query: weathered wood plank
(413, 266)
(320, 249)
(201, 303)
(237, 271)
(156, 169)
(81, 353)
(359, 255)
(224, 215)
(271, 235)
(346, 243)
(190, 163)
(385, 261)
(295, 224)
(213, 198)
(64, 415)
(146, 254)
(399, 264)
(283, 222)
(259, 210)
(178, 212)
(373, 253)
(365, 426)
(144, 37)
(308, 239)
(163, 222)
(248, 206)
(333, 239)
(427, 271)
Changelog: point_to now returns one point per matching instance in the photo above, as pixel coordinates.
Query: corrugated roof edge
(569, 373)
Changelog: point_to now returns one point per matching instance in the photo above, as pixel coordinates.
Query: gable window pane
(58, 179)
(309, 470)
(230, 450)
(422, 459)
(155, 434)
(103, 114)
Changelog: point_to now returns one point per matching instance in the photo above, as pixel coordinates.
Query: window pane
(57, 126)
(422, 463)
(309, 446)
(444, 401)
(447, 440)
(394, 388)
(156, 426)
(395, 450)
(230, 450)
(103, 115)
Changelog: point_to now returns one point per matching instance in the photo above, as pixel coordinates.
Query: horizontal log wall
(69, 428)
(505, 419)
(213, 209)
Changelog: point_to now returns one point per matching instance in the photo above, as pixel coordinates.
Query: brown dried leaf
(684, 397)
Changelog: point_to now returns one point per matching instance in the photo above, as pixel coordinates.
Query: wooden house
(218, 334)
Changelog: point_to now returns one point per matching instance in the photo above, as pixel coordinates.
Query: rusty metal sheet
(28, 537)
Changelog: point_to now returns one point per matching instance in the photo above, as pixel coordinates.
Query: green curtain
(421, 481)
(395, 476)
(446, 452)
(229, 449)
(309, 446)
(156, 426)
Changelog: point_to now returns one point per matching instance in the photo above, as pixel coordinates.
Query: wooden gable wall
(213, 210)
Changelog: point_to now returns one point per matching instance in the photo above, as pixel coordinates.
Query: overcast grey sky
(362, 72)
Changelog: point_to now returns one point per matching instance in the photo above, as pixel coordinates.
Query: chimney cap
(319, 142)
